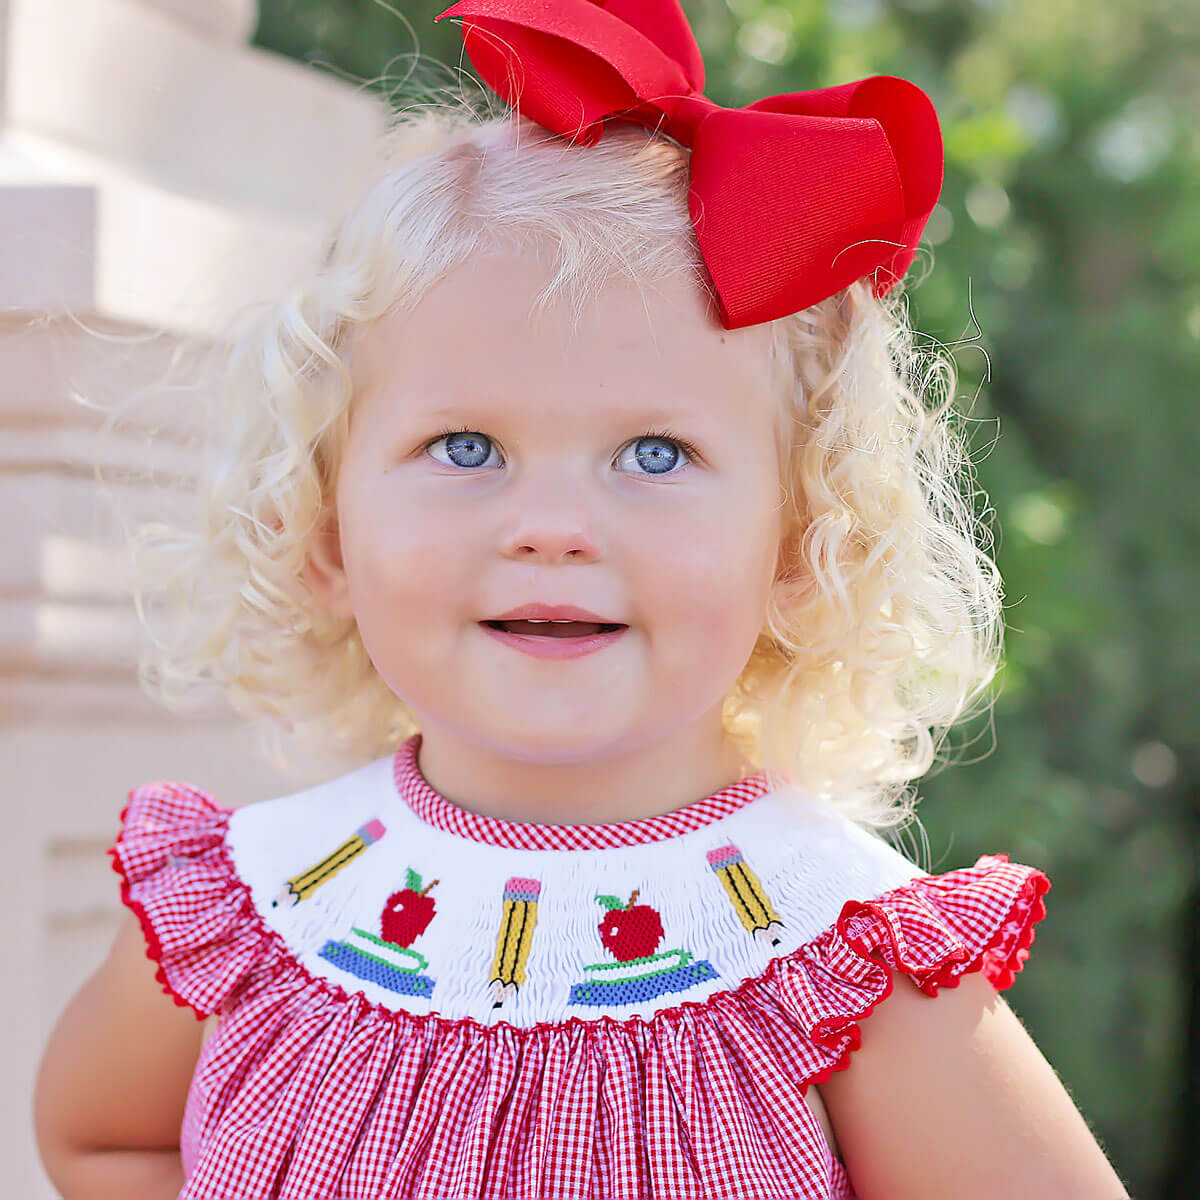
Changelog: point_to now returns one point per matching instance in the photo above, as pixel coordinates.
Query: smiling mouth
(553, 629)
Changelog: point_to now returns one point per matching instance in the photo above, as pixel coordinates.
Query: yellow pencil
(518, 917)
(746, 893)
(301, 886)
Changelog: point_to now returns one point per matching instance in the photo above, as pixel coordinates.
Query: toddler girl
(588, 499)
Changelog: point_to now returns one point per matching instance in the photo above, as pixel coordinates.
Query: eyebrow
(657, 414)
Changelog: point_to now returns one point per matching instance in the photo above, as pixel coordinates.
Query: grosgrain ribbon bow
(792, 197)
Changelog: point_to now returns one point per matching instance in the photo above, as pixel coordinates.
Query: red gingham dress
(417, 1002)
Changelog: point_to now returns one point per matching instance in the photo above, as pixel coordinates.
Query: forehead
(480, 331)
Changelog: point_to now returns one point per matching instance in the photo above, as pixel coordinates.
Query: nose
(550, 523)
(550, 535)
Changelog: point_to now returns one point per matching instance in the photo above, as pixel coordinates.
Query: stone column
(157, 175)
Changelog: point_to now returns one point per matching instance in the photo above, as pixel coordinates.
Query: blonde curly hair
(884, 628)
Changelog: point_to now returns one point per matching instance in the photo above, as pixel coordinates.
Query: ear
(324, 570)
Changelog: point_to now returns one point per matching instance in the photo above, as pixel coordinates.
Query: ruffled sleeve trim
(996, 904)
(199, 925)
(935, 929)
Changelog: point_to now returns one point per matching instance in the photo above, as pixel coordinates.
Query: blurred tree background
(1063, 265)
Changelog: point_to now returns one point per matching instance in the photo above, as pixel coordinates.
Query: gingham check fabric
(531, 1034)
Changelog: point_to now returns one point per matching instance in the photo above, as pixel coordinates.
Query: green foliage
(1065, 258)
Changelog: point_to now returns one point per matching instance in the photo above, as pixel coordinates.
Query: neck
(608, 787)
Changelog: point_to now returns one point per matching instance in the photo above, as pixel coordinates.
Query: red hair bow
(792, 197)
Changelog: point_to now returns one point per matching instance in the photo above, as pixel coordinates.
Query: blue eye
(659, 453)
(656, 452)
(466, 447)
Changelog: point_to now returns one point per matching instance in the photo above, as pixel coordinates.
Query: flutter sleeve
(935, 929)
(179, 880)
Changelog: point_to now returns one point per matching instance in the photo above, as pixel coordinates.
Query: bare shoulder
(949, 1095)
(117, 1067)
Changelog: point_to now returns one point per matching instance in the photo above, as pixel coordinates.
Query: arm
(113, 1081)
(949, 1096)
(118, 1175)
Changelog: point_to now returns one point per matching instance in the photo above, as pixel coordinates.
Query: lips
(578, 639)
(555, 629)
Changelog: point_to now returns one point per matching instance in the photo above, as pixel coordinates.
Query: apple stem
(633, 898)
(427, 887)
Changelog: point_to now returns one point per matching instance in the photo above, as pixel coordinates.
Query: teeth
(545, 621)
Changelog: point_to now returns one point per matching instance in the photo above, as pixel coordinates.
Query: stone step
(232, 124)
(135, 251)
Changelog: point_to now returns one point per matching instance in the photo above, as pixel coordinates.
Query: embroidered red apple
(630, 930)
(407, 912)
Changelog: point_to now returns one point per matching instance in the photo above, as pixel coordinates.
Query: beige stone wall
(157, 175)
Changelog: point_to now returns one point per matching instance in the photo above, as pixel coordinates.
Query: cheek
(715, 581)
(402, 564)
